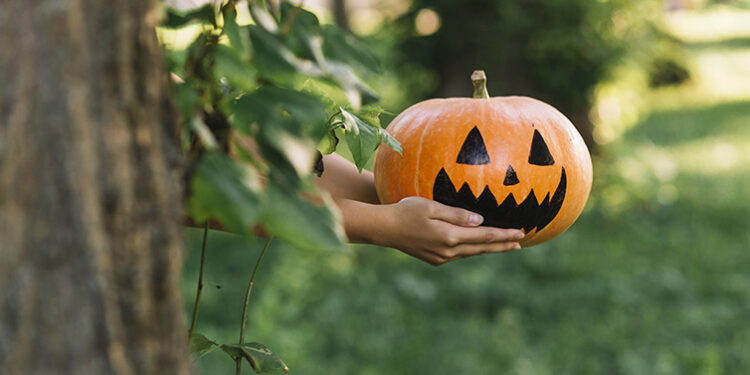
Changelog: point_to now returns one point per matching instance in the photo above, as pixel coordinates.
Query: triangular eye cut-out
(539, 151)
(473, 151)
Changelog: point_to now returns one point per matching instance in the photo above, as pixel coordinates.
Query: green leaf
(260, 358)
(298, 25)
(238, 38)
(226, 190)
(261, 16)
(175, 60)
(187, 99)
(200, 344)
(274, 106)
(279, 64)
(251, 109)
(302, 18)
(373, 109)
(300, 105)
(270, 55)
(176, 19)
(371, 114)
(300, 222)
(362, 140)
(391, 142)
(244, 155)
(356, 91)
(237, 72)
(280, 168)
(287, 157)
(299, 152)
(286, 125)
(339, 45)
(349, 121)
(276, 61)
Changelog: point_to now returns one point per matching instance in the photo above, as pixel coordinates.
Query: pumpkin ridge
(418, 158)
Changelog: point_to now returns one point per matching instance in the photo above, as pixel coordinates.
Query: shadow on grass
(672, 127)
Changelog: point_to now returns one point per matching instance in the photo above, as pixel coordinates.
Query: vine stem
(200, 283)
(247, 299)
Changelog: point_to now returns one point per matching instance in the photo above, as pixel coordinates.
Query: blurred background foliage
(652, 279)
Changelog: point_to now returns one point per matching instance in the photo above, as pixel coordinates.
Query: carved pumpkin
(517, 161)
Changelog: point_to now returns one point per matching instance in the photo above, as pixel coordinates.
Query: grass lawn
(654, 278)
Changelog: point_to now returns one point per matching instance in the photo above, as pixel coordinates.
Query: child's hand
(436, 233)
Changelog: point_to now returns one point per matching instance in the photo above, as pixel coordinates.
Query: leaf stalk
(200, 283)
(247, 299)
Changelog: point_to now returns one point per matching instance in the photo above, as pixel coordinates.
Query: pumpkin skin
(516, 160)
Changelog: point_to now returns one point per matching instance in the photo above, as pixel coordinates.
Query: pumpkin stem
(479, 80)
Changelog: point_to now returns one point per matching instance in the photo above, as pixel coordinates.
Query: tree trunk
(340, 14)
(90, 242)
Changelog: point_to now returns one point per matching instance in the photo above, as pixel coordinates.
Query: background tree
(90, 199)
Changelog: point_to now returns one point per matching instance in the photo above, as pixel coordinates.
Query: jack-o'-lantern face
(515, 160)
(532, 211)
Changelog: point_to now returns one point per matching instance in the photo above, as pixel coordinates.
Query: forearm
(365, 222)
(342, 180)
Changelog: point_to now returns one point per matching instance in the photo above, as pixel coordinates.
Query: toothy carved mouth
(527, 215)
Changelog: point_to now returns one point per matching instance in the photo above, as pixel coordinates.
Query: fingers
(484, 235)
(479, 249)
(467, 250)
(461, 242)
(434, 259)
(454, 215)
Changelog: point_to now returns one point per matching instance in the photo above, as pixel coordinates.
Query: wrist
(384, 225)
(364, 222)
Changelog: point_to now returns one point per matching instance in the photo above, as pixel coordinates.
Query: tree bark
(340, 14)
(90, 198)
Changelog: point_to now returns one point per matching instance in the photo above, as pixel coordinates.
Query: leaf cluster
(261, 101)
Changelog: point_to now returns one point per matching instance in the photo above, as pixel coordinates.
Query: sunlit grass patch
(716, 51)
(711, 25)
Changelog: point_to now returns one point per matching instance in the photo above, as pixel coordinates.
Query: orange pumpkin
(517, 161)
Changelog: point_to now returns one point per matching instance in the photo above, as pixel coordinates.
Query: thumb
(456, 216)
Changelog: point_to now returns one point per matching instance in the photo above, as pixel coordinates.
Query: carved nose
(510, 177)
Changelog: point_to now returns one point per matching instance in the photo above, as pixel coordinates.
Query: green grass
(652, 279)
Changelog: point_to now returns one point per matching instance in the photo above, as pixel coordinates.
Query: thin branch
(200, 282)
(247, 299)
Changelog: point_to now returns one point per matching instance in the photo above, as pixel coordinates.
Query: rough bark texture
(90, 243)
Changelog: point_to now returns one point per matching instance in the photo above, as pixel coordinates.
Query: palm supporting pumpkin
(517, 161)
